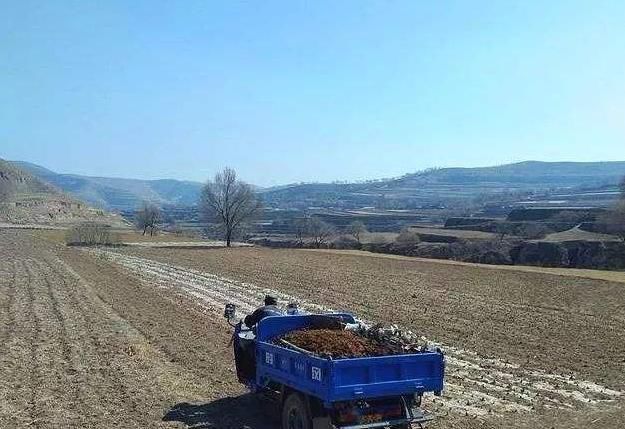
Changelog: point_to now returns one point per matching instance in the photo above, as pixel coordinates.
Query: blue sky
(288, 91)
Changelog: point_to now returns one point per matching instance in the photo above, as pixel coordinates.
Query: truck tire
(295, 412)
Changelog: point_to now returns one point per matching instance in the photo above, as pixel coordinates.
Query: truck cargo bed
(341, 379)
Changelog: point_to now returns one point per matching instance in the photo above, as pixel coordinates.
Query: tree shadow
(247, 411)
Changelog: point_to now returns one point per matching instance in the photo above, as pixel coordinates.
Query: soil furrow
(479, 390)
(77, 350)
(92, 344)
(112, 341)
(8, 312)
(14, 354)
(35, 373)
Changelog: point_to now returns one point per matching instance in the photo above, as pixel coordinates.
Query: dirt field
(84, 345)
(134, 337)
(516, 341)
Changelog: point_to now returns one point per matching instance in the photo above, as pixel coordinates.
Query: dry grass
(578, 234)
(125, 236)
(379, 237)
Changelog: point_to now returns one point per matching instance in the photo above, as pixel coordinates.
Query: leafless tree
(319, 231)
(301, 229)
(502, 229)
(229, 202)
(356, 229)
(613, 220)
(148, 217)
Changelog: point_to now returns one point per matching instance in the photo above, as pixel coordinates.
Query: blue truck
(324, 393)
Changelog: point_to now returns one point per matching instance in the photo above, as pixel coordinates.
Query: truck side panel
(293, 369)
(387, 375)
(347, 379)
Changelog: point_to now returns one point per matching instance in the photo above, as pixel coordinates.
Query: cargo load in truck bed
(339, 343)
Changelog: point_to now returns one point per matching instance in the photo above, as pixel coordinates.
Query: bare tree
(613, 220)
(356, 229)
(148, 217)
(319, 231)
(301, 229)
(229, 202)
(502, 229)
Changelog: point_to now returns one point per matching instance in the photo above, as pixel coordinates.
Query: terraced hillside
(26, 199)
(118, 194)
(445, 185)
(570, 183)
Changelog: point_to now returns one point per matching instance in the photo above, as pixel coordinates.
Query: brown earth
(336, 343)
(570, 325)
(86, 342)
(538, 321)
(83, 345)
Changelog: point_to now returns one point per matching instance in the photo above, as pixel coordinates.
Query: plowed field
(134, 337)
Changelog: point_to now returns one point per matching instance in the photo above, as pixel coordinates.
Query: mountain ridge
(115, 193)
(440, 186)
(430, 186)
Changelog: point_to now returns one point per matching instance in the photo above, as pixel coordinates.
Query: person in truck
(269, 309)
(244, 349)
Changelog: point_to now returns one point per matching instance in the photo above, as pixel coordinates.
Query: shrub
(407, 236)
(345, 242)
(91, 234)
(613, 220)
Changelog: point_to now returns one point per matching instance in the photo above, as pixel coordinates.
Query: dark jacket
(260, 313)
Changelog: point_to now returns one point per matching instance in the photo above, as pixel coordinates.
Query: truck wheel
(295, 413)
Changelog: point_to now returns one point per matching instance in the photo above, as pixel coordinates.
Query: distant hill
(117, 193)
(445, 185)
(27, 199)
(592, 183)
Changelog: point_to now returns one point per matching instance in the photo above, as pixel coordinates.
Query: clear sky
(288, 91)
